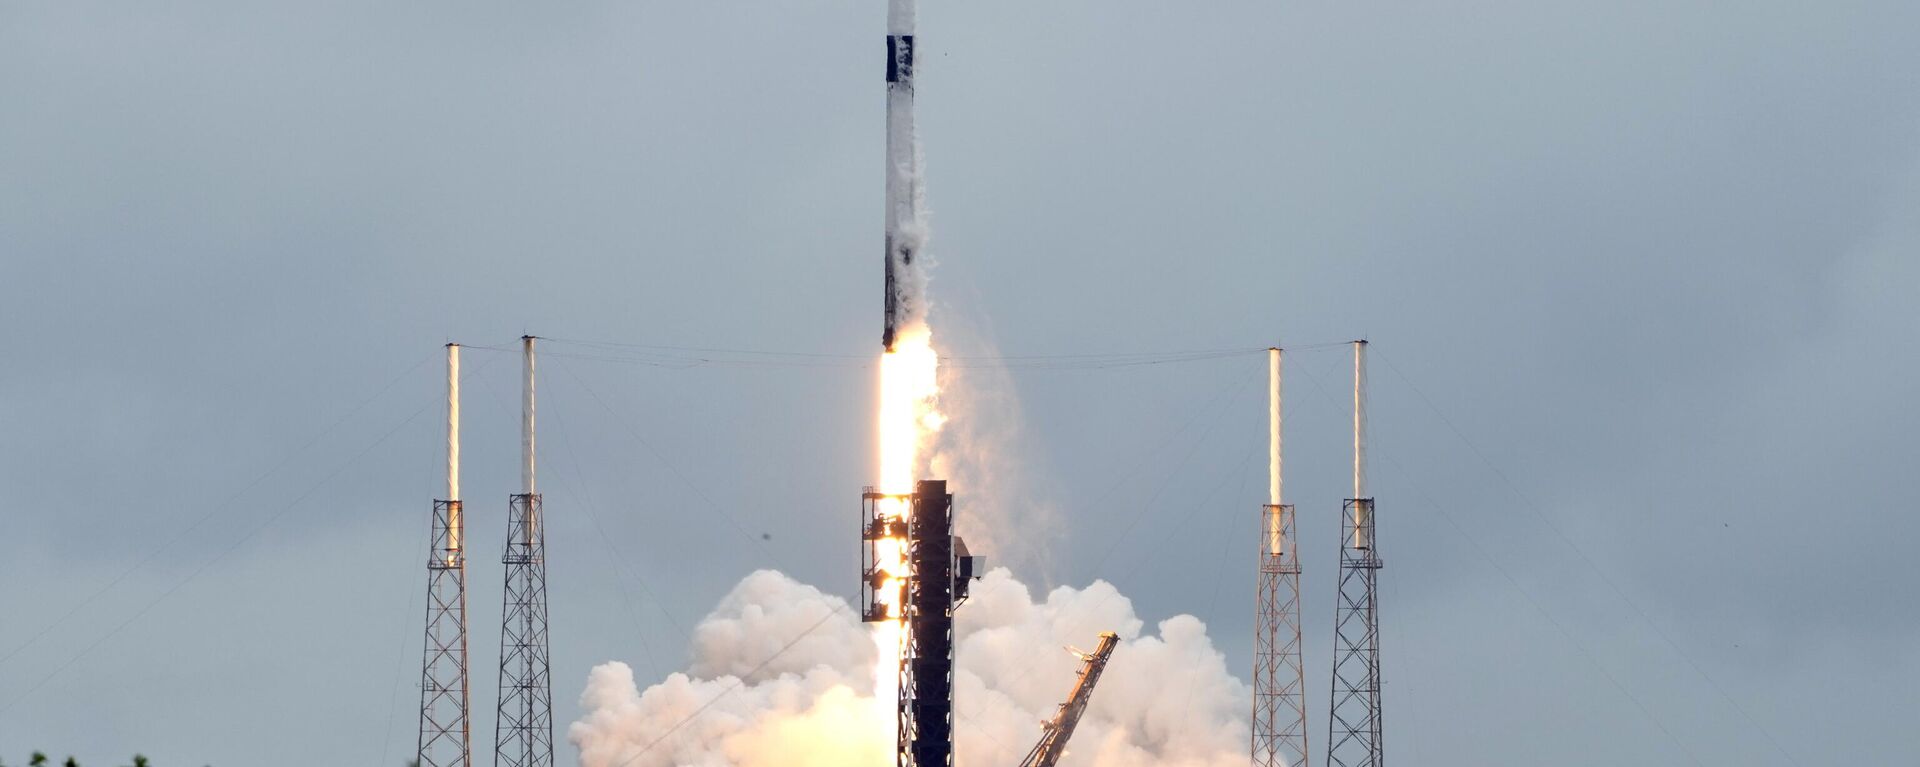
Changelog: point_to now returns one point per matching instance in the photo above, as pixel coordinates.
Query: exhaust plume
(1167, 698)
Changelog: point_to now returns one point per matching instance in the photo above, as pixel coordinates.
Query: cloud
(1166, 698)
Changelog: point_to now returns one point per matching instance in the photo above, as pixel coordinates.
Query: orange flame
(908, 418)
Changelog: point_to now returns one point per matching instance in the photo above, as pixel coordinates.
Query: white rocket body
(905, 234)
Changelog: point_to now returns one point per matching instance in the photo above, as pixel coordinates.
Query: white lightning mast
(1361, 529)
(453, 422)
(523, 722)
(1279, 685)
(444, 736)
(1355, 732)
(526, 420)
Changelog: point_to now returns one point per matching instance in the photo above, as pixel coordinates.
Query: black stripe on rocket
(900, 59)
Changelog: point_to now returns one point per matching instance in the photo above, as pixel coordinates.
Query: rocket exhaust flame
(907, 419)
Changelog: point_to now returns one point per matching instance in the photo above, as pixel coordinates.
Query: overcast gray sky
(1639, 276)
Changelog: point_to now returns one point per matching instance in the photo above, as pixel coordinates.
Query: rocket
(903, 302)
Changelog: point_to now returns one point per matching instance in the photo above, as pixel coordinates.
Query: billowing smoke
(754, 696)
(1008, 510)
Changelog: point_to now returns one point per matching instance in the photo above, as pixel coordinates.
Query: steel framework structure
(938, 570)
(925, 723)
(1059, 730)
(1279, 687)
(1354, 739)
(443, 677)
(877, 526)
(523, 726)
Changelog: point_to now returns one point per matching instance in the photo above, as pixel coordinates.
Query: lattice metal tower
(1279, 682)
(523, 725)
(1058, 731)
(939, 571)
(925, 733)
(443, 676)
(1355, 731)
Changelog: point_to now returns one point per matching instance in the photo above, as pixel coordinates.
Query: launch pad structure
(938, 573)
(1354, 713)
(523, 722)
(444, 693)
(1356, 738)
(1058, 731)
(1279, 681)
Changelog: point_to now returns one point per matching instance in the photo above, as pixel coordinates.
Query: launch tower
(1355, 733)
(1279, 685)
(938, 571)
(523, 725)
(443, 676)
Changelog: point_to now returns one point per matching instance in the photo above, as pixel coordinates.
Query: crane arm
(1053, 739)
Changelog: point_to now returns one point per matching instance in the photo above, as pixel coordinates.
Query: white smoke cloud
(1165, 699)
(986, 459)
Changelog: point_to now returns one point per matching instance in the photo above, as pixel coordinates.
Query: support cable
(212, 511)
(613, 555)
(681, 357)
(1585, 653)
(1221, 401)
(671, 467)
(277, 515)
(1528, 504)
(393, 695)
(606, 540)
